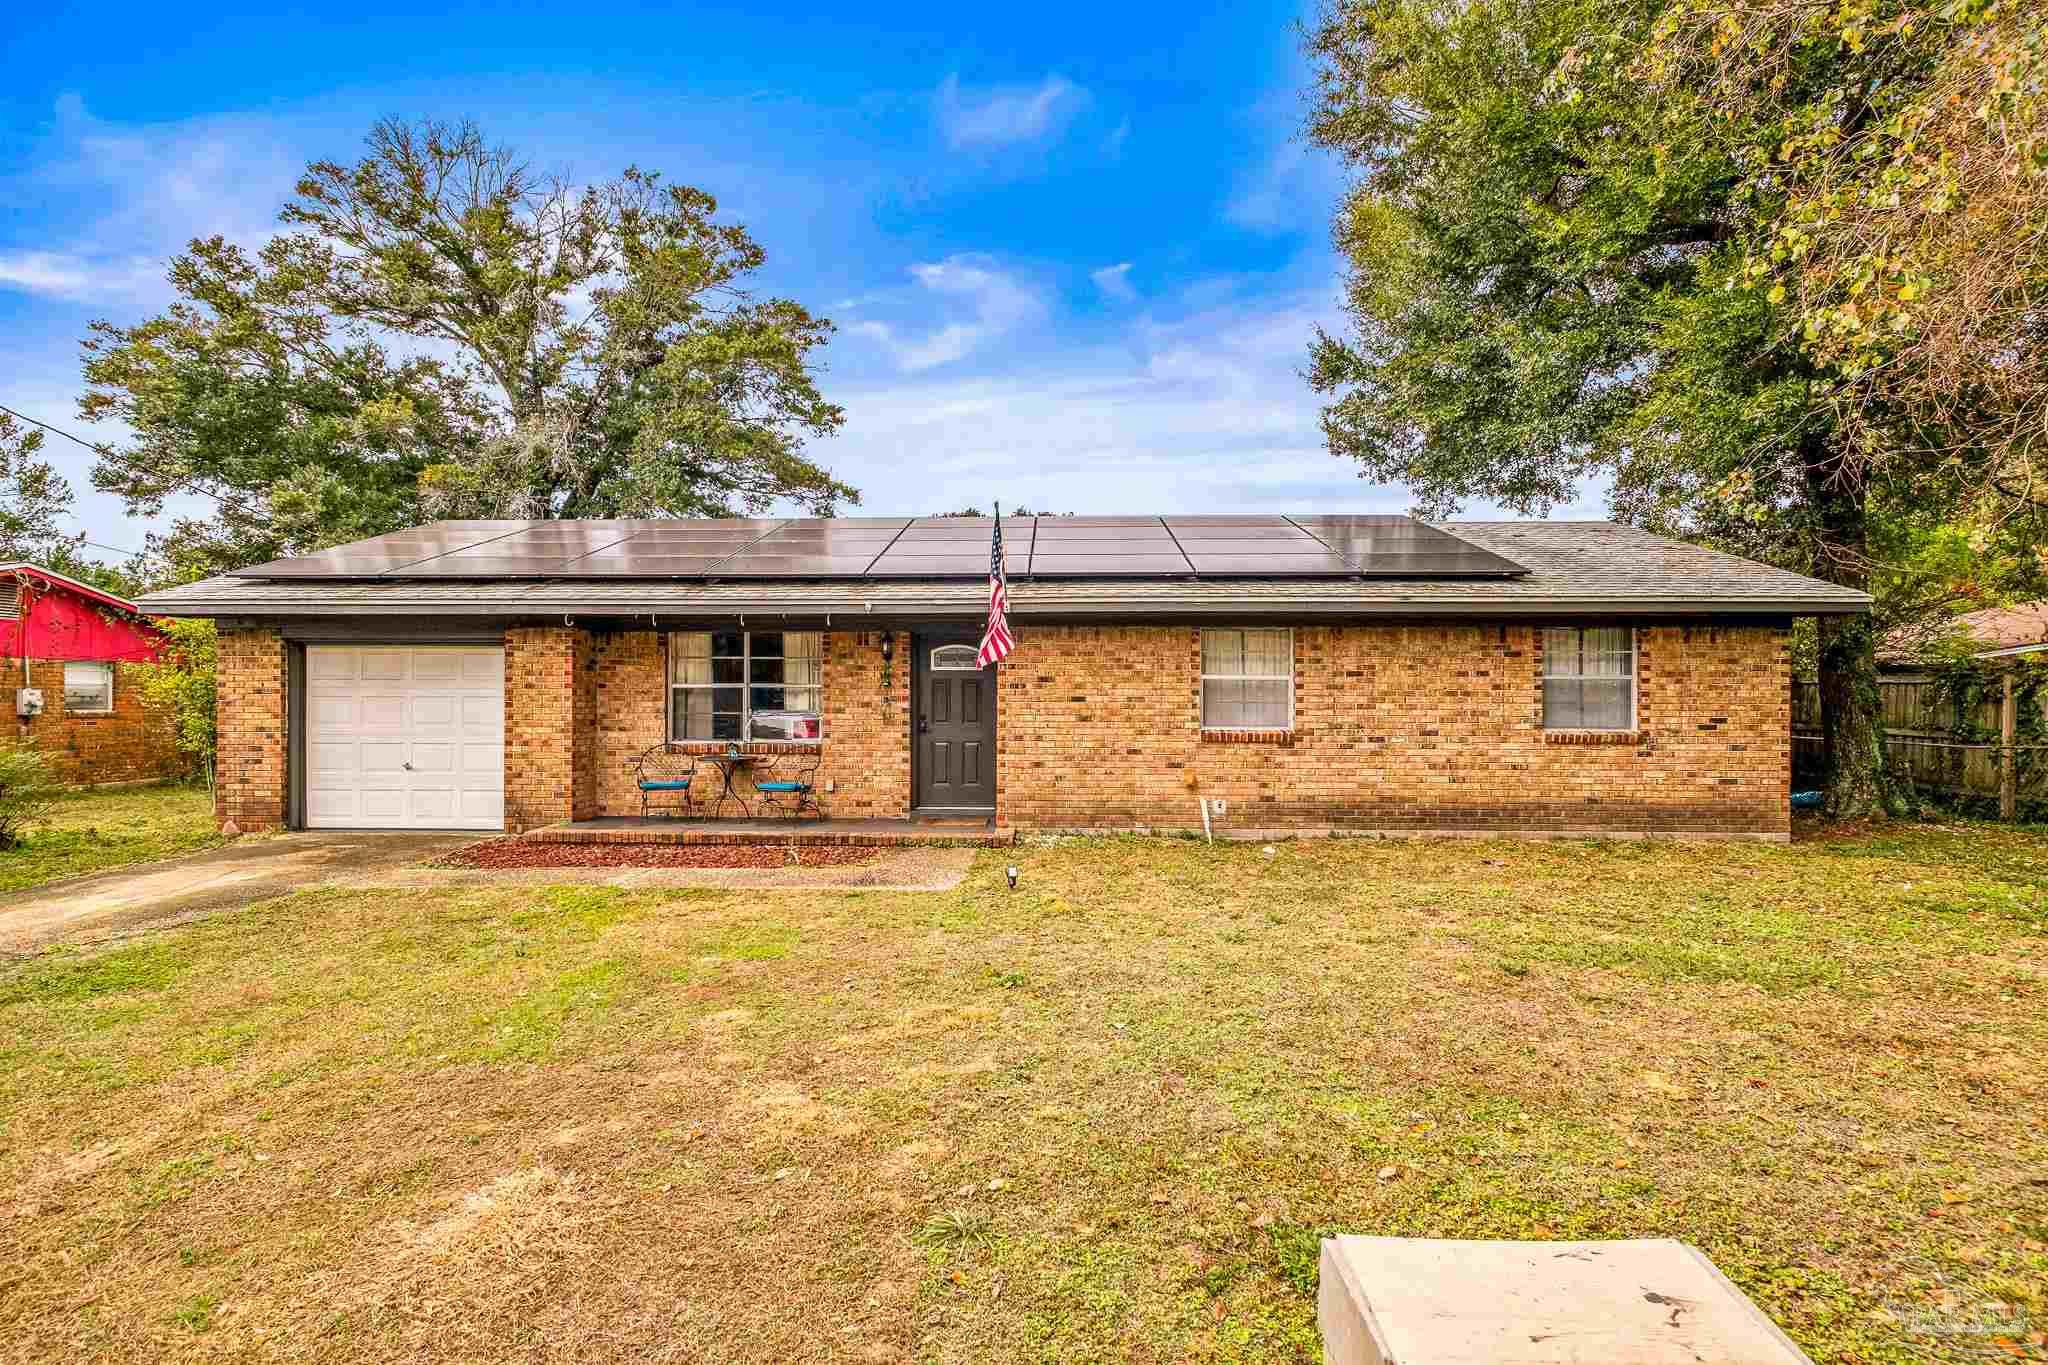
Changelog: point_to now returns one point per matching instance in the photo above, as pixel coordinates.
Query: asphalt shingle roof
(1591, 567)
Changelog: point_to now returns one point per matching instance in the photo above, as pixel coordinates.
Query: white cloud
(995, 116)
(1294, 189)
(1115, 281)
(1202, 411)
(1113, 145)
(79, 278)
(1293, 186)
(116, 201)
(993, 303)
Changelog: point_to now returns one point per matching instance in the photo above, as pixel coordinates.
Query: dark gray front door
(954, 724)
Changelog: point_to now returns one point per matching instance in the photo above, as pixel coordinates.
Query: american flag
(996, 641)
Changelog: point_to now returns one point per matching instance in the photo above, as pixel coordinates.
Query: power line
(108, 453)
(125, 554)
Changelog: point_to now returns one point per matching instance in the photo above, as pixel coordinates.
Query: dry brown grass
(1104, 1116)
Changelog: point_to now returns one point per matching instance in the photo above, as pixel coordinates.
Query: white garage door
(405, 737)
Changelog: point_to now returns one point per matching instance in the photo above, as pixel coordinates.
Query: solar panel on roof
(1291, 564)
(380, 554)
(1108, 535)
(1397, 547)
(1280, 533)
(643, 566)
(896, 547)
(1126, 565)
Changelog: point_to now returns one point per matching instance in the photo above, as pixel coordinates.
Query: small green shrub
(183, 682)
(26, 792)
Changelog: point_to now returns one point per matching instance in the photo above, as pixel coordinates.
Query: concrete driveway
(110, 904)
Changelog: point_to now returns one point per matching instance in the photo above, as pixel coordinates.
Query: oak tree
(440, 330)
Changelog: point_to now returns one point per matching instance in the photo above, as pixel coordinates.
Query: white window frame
(1635, 684)
(746, 687)
(1201, 692)
(71, 710)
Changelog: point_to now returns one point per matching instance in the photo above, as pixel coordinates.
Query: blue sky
(1075, 254)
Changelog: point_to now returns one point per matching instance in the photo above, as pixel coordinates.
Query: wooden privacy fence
(1926, 739)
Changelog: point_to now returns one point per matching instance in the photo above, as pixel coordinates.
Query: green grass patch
(93, 831)
(1110, 1115)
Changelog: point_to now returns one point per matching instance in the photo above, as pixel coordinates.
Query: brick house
(1309, 673)
(77, 647)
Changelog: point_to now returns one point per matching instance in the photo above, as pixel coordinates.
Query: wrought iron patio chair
(666, 772)
(788, 785)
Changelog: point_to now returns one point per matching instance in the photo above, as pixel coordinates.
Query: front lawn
(1105, 1116)
(93, 830)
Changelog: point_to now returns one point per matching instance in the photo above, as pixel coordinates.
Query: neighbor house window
(89, 687)
(1589, 678)
(1248, 679)
(746, 684)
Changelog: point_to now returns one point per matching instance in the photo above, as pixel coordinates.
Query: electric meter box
(28, 701)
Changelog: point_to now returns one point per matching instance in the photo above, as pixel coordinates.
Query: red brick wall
(867, 724)
(1417, 727)
(1425, 727)
(134, 743)
(551, 742)
(249, 788)
(630, 671)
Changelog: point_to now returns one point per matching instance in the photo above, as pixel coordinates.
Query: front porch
(668, 830)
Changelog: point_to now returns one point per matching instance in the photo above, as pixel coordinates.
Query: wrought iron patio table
(730, 765)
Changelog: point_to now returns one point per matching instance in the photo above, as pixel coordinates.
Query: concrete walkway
(109, 904)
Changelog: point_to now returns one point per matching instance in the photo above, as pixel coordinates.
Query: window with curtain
(1589, 678)
(745, 685)
(1248, 679)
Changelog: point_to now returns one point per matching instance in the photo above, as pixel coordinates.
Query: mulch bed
(511, 853)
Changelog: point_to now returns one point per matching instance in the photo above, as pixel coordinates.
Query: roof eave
(1024, 607)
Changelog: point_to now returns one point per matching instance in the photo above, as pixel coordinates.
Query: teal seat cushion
(781, 787)
(677, 785)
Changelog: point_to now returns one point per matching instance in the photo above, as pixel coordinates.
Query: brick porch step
(625, 829)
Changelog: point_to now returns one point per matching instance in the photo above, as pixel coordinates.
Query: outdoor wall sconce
(888, 646)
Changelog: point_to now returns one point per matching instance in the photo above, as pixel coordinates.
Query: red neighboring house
(78, 646)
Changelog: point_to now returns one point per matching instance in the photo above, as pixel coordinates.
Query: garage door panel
(433, 805)
(383, 665)
(336, 804)
(439, 667)
(482, 808)
(328, 712)
(329, 664)
(381, 759)
(381, 711)
(429, 759)
(331, 758)
(405, 737)
(434, 715)
(477, 757)
(382, 806)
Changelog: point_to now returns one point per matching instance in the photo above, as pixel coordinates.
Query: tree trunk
(1852, 720)
(1855, 778)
